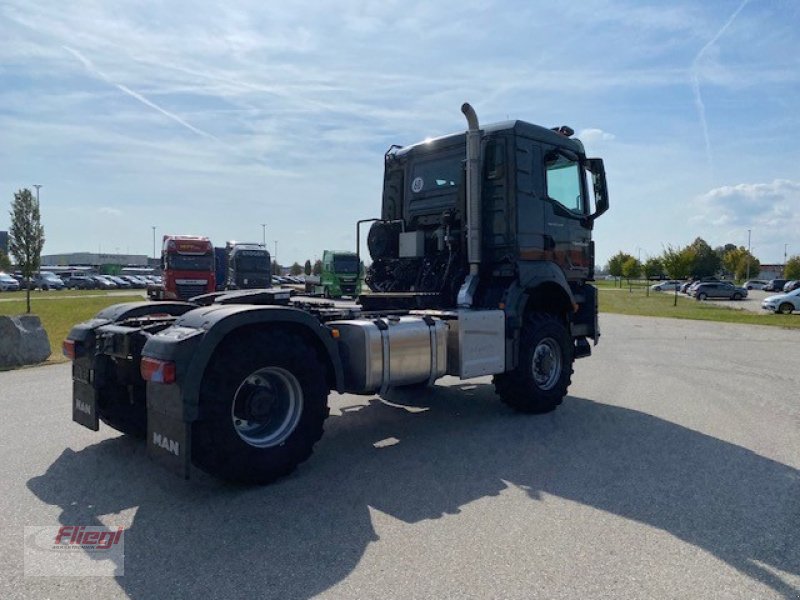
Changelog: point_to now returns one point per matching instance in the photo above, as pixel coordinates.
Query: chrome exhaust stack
(467, 291)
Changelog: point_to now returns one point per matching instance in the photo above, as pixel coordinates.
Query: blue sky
(213, 119)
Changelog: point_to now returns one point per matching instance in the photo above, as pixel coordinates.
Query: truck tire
(263, 401)
(540, 381)
(115, 409)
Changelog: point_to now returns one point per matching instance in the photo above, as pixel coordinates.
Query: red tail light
(157, 371)
(68, 349)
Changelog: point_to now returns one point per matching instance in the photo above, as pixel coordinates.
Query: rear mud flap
(169, 441)
(84, 405)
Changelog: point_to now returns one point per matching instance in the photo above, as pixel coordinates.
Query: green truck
(341, 275)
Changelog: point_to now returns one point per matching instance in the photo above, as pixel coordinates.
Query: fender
(532, 275)
(84, 332)
(193, 338)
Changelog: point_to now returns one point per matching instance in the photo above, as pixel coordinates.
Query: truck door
(567, 236)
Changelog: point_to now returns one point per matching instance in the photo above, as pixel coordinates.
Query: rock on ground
(23, 341)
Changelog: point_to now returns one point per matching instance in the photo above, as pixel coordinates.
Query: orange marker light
(157, 371)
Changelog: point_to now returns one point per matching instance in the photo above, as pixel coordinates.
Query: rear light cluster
(68, 349)
(156, 370)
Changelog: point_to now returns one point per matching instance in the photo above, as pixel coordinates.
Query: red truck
(188, 265)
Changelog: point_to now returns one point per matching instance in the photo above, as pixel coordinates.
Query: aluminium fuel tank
(391, 351)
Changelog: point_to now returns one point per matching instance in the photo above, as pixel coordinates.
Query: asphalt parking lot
(671, 471)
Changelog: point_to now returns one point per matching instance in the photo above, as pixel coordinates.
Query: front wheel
(737, 296)
(701, 296)
(785, 308)
(540, 381)
(263, 404)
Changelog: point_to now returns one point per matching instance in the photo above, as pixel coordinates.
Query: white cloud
(110, 211)
(595, 136)
(769, 210)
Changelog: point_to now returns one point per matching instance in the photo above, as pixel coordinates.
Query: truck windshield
(187, 262)
(252, 264)
(345, 264)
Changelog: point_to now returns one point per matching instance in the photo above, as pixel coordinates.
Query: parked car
(782, 303)
(121, 283)
(80, 282)
(791, 285)
(135, 281)
(47, 280)
(775, 285)
(754, 284)
(669, 285)
(8, 283)
(718, 289)
(103, 283)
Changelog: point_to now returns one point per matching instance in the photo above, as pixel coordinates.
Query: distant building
(770, 272)
(4, 241)
(94, 259)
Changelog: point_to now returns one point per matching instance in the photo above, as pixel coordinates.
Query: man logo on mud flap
(167, 444)
(83, 407)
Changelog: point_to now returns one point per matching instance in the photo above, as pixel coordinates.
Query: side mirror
(596, 168)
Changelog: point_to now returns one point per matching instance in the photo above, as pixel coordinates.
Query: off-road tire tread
(216, 448)
(517, 388)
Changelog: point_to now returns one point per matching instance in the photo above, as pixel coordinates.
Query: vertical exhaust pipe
(467, 291)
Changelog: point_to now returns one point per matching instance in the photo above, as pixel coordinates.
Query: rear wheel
(540, 381)
(263, 402)
(785, 308)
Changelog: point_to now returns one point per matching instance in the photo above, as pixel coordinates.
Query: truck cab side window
(563, 182)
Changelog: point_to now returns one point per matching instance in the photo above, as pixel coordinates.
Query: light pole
(748, 256)
(275, 256)
(785, 255)
(264, 235)
(37, 186)
(154, 241)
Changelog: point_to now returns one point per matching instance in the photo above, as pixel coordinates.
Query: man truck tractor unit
(246, 266)
(481, 260)
(340, 276)
(187, 262)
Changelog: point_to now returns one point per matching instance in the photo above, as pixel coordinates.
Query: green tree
(5, 262)
(307, 268)
(26, 236)
(317, 270)
(740, 262)
(792, 269)
(678, 264)
(615, 263)
(652, 267)
(631, 268)
(295, 269)
(706, 262)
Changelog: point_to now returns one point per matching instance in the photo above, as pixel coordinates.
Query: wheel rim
(546, 363)
(266, 407)
(785, 309)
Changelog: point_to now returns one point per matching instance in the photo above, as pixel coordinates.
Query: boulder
(23, 341)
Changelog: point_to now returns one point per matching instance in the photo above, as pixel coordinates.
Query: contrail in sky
(91, 68)
(698, 98)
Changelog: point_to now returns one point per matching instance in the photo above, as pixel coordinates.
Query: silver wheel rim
(546, 363)
(267, 407)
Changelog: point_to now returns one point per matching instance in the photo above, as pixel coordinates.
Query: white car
(666, 286)
(783, 303)
(754, 284)
(8, 283)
